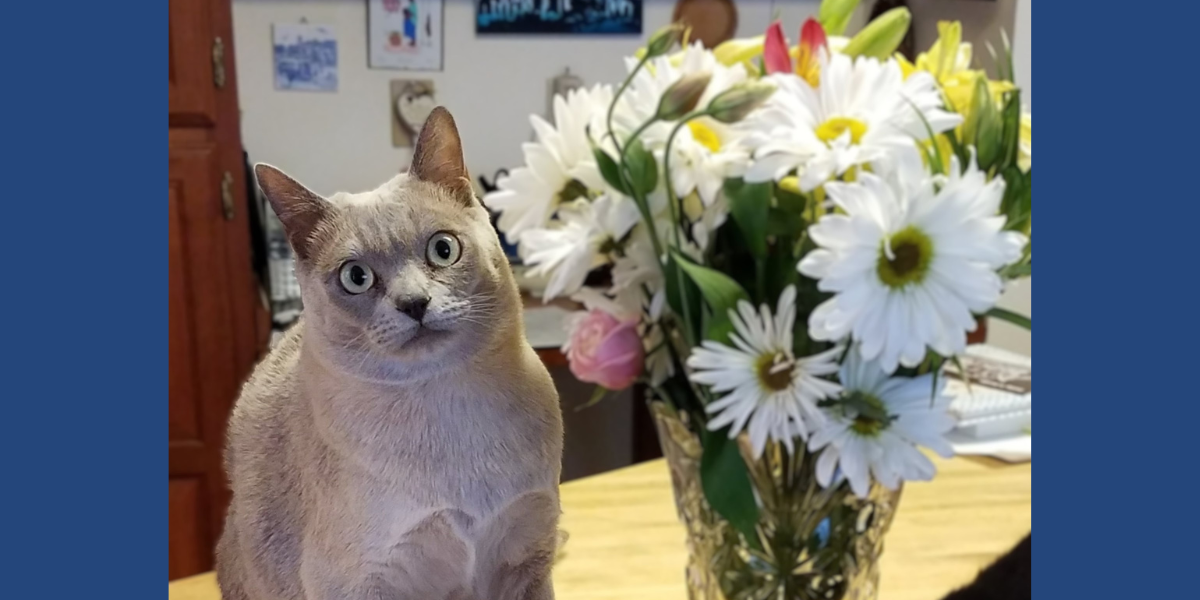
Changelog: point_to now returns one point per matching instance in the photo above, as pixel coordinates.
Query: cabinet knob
(227, 195)
(218, 61)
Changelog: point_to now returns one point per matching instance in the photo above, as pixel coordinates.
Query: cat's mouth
(426, 334)
(439, 325)
(421, 338)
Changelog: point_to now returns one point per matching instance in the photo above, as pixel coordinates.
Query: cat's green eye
(443, 249)
(356, 277)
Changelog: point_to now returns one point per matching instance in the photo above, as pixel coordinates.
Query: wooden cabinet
(196, 59)
(218, 325)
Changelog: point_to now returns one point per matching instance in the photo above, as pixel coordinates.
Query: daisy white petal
(860, 112)
(559, 166)
(763, 384)
(909, 263)
(868, 446)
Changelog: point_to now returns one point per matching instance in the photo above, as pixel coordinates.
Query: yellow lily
(1025, 143)
(949, 61)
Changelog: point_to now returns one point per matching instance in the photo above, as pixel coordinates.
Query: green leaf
(721, 293)
(782, 223)
(643, 169)
(1007, 315)
(961, 151)
(610, 171)
(1014, 181)
(719, 290)
(1017, 203)
(937, 373)
(1018, 270)
(1010, 120)
(749, 204)
(676, 297)
(933, 154)
(598, 394)
(962, 374)
(988, 126)
(719, 328)
(726, 483)
(790, 201)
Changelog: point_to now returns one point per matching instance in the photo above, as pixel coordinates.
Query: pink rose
(605, 351)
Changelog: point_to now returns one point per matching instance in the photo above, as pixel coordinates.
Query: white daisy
(909, 263)
(875, 430)
(763, 382)
(705, 152)
(862, 110)
(571, 246)
(559, 167)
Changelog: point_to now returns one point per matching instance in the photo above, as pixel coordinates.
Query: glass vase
(810, 542)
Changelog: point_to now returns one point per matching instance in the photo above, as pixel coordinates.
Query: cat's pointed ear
(298, 208)
(438, 156)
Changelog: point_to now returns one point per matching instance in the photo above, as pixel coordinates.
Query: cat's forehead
(396, 216)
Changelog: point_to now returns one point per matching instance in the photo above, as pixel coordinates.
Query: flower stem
(636, 132)
(638, 198)
(672, 200)
(617, 96)
(676, 210)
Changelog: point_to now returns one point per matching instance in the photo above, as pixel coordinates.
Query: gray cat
(403, 441)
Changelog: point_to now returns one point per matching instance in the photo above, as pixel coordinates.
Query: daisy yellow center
(866, 426)
(904, 259)
(705, 136)
(833, 128)
(872, 414)
(775, 371)
(572, 190)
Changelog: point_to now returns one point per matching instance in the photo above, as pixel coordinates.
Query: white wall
(1023, 51)
(342, 141)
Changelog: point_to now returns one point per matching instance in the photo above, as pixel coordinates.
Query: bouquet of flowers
(784, 244)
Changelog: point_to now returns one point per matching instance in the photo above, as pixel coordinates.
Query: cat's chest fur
(461, 440)
(378, 460)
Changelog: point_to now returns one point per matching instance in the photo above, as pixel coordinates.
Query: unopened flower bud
(834, 15)
(664, 39)
(683, 96)
(738, 51)
(735, 103)
(880, 38)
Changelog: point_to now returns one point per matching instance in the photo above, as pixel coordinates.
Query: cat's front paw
(431, 560)
(518, 549)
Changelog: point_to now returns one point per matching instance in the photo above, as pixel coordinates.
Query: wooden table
(627, 544)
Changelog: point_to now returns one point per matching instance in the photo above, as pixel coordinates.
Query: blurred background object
(711, 21)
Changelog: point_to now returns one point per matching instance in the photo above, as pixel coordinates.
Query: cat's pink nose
(413, 306)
